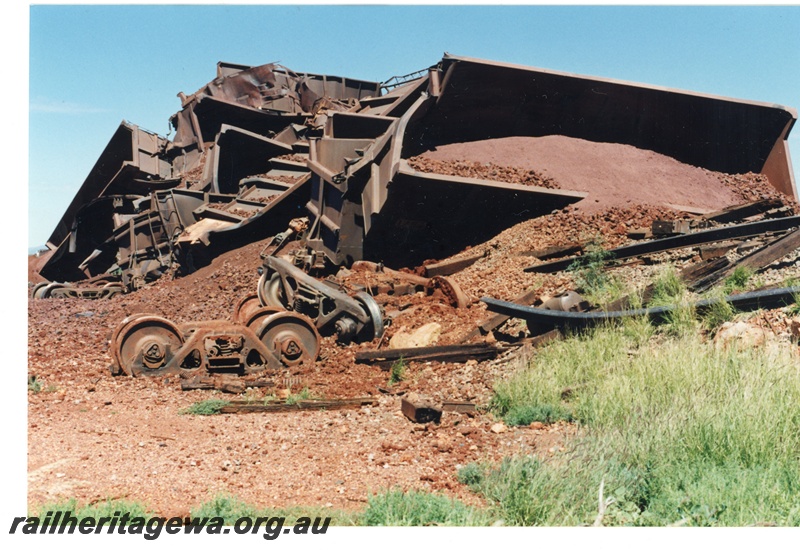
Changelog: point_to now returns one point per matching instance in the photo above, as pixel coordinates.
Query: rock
(426, 335)
(741, 334)
(794, 326)
(499, 428)
(536, 425)
(443, 444)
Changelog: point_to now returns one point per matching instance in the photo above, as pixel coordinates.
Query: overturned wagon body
(261, 145)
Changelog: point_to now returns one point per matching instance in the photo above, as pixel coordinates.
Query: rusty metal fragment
(282, 285)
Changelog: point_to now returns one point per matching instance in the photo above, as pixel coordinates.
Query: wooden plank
(681, 241)
(464, 407)
(225, 384)
(742, 211)
(717, 250)
(420, 410)
(670, 227)
(542, 339)
(448, 267)
(240, 407)
(552, 252)
(756, 261)
(455, 354)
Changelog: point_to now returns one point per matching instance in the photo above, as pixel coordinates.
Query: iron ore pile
(394, 246)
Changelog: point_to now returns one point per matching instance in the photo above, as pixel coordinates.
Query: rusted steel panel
(127, 149)
(483, 99)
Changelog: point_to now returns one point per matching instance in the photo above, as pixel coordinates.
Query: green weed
(206, 408)
(412, 508)
(522, 415)
(103, 509)
(398, 372)
(737, 280)
(591, 277)
(34, 384)
(667, 288)
(302, 395)
(230, 508)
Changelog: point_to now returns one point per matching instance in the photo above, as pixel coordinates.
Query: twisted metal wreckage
(260, 147)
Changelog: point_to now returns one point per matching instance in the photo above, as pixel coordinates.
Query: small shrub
(101, 509)
(416, 508)
(681, 321)
(471, 475)
(667, 288)
(737, 280)
(719, 312)
(206, 408)
(588, 268)
(230, 509)
(34, 384)
(293, 398)
(398, 372)
(226, 507)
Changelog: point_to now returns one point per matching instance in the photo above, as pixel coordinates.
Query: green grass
(523, 415)
(230, 508)
(398, 372)
(676, 429)
(398, 508)
(718, 313)
(591, 278)
(206, 408)
(667, 288)
(737, 280)
(34, 384)
(303, 394)
(105, 508)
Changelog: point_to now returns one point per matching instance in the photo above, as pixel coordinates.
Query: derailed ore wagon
(260, 146)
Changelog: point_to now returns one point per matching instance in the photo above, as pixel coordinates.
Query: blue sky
(92, 66)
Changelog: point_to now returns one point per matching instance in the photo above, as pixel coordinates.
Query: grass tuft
(592, 279)
(34, 384)
(206, 408)
(293, 398)
(398, 508)
(103, 509)
(737, 280)
(398, 372)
